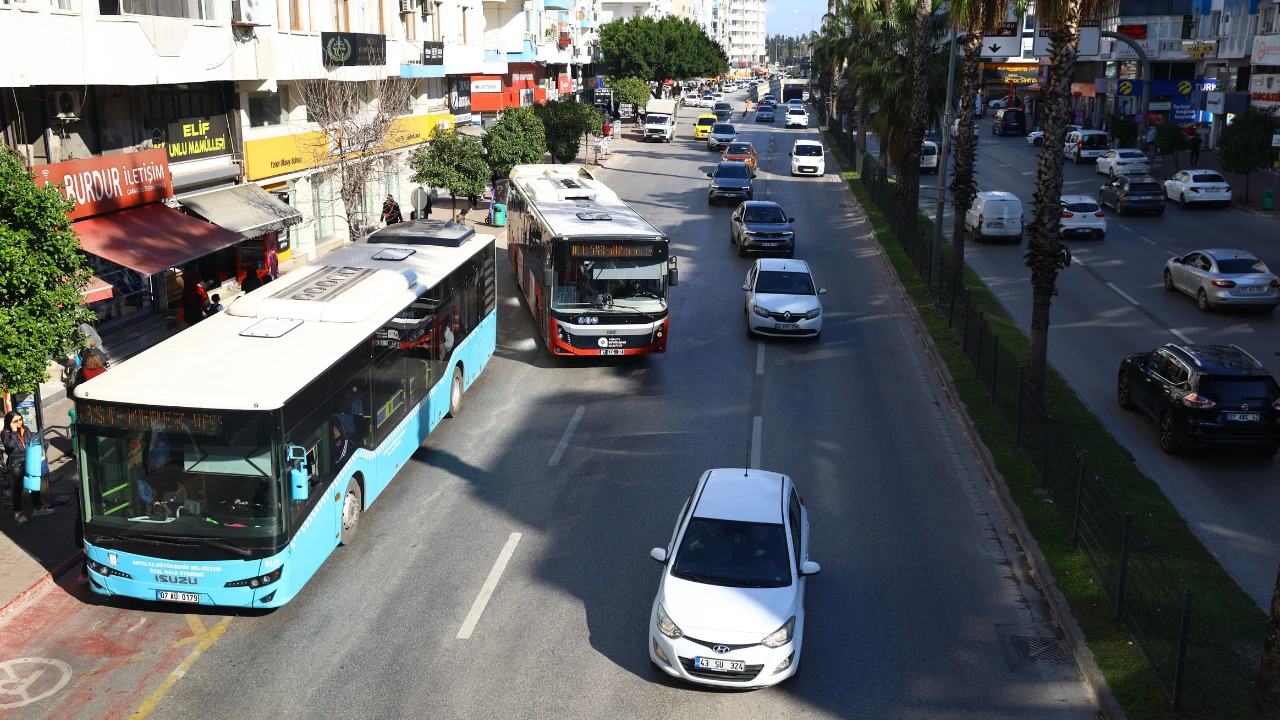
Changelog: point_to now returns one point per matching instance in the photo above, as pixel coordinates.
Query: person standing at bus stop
(16, 438)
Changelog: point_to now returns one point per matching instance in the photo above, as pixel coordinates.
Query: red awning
(151, 238)
(97, 289)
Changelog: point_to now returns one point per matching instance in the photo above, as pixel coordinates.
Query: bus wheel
(352, 501)
(455, 393)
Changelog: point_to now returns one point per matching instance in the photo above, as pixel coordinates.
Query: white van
(994, 215)
(1084, 145)
(929, 157)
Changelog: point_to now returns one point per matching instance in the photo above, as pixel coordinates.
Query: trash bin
(499, 215)
(1268, 199)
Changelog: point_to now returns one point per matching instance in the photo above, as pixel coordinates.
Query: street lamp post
(945, 133)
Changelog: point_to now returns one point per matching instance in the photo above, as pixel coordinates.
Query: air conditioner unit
(246, 12)
(406, 6)
(63, 104)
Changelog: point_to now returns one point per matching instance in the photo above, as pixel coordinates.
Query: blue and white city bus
(222, 466)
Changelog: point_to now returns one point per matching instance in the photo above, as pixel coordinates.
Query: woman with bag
(16, 438)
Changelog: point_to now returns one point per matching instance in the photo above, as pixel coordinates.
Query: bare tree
(357, 120)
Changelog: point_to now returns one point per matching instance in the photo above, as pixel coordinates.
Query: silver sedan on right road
(1223, 278)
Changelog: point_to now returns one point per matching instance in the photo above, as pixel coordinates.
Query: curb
(1082, 656)
(1266, 214)
(46, 579)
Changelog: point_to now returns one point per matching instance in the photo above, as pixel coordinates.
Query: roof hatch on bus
(329, 294)
(444, 233)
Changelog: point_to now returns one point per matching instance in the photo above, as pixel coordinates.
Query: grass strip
(1221, 604)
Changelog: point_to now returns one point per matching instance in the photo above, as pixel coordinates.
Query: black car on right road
(1132, 193)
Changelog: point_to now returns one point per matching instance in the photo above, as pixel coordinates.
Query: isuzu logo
(176, 579)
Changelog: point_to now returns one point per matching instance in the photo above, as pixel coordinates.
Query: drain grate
(1045, 650)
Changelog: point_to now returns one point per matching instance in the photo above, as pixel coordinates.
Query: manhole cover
(1045, 650)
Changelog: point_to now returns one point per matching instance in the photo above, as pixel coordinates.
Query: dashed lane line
(756, 426)
(568, 434)
(1181, 337)
(1124, 295)
(760, 358)
(491, 583)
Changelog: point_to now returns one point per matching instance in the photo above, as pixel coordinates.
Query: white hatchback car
(1197, 186)
(807, 158)
(781, 299)
(1082, 217)
(730, 604)
(797, 117)
(1123, 162)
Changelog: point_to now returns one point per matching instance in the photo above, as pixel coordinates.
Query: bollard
(1124, 562)
(1181, 667)
(1017, 409)
(1075, 519)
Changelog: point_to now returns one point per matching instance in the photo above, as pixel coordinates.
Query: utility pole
(945, 137)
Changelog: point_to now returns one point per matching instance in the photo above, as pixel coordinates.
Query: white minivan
(929, 157)
(1084, 145)
(994, 215)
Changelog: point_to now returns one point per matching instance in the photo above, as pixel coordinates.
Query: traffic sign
(1275, 140)
(1139, 118)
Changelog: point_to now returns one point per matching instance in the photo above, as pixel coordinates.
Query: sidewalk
(1258, 181)
(35, 553)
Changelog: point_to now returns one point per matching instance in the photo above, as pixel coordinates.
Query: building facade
(742, 31)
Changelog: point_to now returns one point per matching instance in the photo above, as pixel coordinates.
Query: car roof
(707, 116)
(1139, 178)
(1091, 132)
(761, 203)
(744, 495)
(1219, 359)
(997, 195)
(1228, 254)
(808, 142)
(782, 265)
(1078, 198)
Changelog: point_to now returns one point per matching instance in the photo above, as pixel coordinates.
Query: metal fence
(1203, 677)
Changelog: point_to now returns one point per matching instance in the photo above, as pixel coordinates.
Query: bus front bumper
(618, 340)
(189, 582)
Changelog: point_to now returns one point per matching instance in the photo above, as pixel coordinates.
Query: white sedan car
(1197, 186)
(730, 604)
(807, 158)
(1036, 137)
(781, 299)
(797, 117)
(1082, 217)
(1122, 162)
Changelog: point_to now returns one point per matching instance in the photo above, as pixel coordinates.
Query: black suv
(1009, 121)
(1203, 395)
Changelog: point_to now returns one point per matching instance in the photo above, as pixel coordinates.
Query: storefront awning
(473, 130)
(151, 238)
(97, 289)
(246, 209)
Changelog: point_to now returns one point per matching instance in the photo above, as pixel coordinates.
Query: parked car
(955, 131)
(1009, 121)
(1132, 193)
(1123, 162)
(807, 158)
(762, 226)
(722, 133)
(1036, 137)
(1223, 278)
(730, 180)
(781, 298)
(1203, 396)
(1000, 102)
(702, 126)
(1084, 145)
(1189, 187)
(1082, 217)
(994, 215)
(730, 604)
(929, 157)
(744, 151)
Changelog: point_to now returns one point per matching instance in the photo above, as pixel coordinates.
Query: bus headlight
(107, 570)
(258, 580)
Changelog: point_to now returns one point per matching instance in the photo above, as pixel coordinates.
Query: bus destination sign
(142, 418)
(611, 250)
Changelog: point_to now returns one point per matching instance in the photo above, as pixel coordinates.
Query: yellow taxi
(702, 127)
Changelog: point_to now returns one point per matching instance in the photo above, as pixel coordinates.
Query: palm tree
(1045, 256)
(922, 48)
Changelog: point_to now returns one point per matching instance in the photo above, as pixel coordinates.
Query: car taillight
(1194, 189)
(1067, 214)
(1275, 283)
(1224, 283)
(1099, 214)
(1199, 402)
(1276, 405)
(1120, 163)
(980, 218)
(1079, 144)
(1124, 196)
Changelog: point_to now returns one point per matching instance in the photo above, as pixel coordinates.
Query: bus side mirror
(34, 467)
(673, 273)
(548, 278)
(299, 478)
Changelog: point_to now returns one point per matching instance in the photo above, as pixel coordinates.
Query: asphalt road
(1112, 302)
(922, 590)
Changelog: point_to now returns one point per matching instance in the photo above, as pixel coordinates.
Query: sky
(781, 18)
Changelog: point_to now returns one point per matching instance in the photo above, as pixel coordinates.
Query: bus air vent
(324, 284)
(270, 328)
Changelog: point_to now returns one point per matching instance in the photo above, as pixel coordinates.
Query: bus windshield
(636, 283)
(180, 472)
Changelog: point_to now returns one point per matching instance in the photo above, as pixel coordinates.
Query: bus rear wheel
(455, 393)
(352, 502)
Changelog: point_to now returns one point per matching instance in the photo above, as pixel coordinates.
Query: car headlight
(813, 313)
(666, 626)
(760, 311)
(781, 636)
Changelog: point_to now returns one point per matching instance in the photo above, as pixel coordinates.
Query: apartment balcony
(557, 4)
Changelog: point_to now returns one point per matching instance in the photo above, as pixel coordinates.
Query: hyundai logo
(721, 649)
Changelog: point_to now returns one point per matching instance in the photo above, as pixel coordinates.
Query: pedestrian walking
(252, 281)
(391, 211)
(1195, 149)
(93, 367)
(194, 298)
(16, 438)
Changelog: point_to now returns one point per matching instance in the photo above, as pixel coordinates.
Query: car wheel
(817, 337)
(1168, 440)
(751, 334)
(1120, 208)
(1100, 202)
(455, 393)
(1168, 282)
(711, 200)
(1122, 391)
(352, 503)
(742, 251)
(1182, 201)
(1202, 301)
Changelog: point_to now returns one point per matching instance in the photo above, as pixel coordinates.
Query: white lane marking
(490, 583)
(1077, 261)
(568, 433)
(1123, 294)
(760, 358)
(1182, 337)
(1149, 240)
(756, 425)
(1125, 227)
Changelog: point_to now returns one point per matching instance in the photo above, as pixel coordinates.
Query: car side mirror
(659, 554)
(299, 478)
(710, 174)
(753, 175)
(747, 288)
(791, 219)
(808, 567)
(790, 154)
(822, 291)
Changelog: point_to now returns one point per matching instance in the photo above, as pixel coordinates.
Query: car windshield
(180, 472)
(722, 106)
(630, 283)
(1131, 155)
(708, 96)
(1208, 178)
(703, 122)
(1082, 207)
(784, 282)
(1236, 391)
(1094, 142)
(764, 214)
(1144, 187)
(808, 150)
(723, 129)
(796, 111)
(733, 553)
(1234, 266)
(739, 149)
(735, 170)
(928, 150)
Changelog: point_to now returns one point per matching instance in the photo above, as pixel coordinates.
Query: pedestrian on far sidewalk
(93, 367)
(16, 438)
(1195, 149)
(391, 211)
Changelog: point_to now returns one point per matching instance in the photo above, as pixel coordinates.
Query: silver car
(1223, 278)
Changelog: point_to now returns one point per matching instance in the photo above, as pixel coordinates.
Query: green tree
(453, 162)
(42, 273)
(1170, 141)
(1245, 146)
(630, 90)
(1124, 131)
(516, 139)
(673, 48)
(566, 121)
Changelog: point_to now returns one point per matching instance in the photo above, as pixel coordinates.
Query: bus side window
(316, 433)
(350, 400)
(418, 351)
(390, 393)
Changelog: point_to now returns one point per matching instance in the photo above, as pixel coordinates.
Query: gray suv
(721, 135)
(762, 226)
(730, 180)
